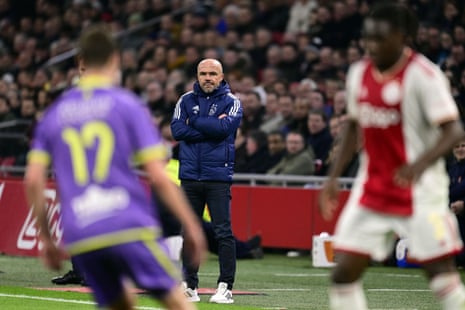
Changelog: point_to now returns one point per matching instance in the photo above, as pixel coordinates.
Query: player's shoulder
(61, 99)
(360, 64)
(357, 69)
(187, 97)
(232, 97)
(125, 95)
(125, 99)
(422, 67)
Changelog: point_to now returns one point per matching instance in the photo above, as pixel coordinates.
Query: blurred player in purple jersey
(92, 135)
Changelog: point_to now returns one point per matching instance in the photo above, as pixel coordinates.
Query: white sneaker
(222, 295)
(191, 294)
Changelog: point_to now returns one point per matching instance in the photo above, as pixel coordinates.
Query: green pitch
(282, 283)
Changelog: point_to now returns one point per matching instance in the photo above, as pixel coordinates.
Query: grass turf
(284, 283)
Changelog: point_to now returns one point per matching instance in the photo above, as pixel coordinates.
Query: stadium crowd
(286, 60)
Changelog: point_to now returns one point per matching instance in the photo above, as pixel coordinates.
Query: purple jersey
(93, 134)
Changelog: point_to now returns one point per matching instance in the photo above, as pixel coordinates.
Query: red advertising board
(284, 217)
(18, 233)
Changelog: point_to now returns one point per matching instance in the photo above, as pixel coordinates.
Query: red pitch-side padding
(284, 217)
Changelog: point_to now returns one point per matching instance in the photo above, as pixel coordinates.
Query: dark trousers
(242, 247)
(217, 195)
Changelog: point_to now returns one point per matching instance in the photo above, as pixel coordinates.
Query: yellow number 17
(79, 141)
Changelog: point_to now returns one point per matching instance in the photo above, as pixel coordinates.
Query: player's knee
(344, 276)
(348, 271)
(447, 265)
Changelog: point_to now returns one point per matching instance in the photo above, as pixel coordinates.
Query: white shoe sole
(229, 301)
(193, 299)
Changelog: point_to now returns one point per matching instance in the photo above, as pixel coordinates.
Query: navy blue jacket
(207, 142)
(457, 181)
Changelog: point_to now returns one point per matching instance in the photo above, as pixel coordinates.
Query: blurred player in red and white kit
(400, 105)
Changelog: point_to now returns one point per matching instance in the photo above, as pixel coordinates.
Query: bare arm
(329, 192)
(348, 148)
(173, 197)
(35, 185)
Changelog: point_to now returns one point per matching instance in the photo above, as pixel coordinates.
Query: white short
(432, 232)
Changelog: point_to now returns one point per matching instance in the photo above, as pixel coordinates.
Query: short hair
(96, 46)
(259, 137)
(319, 112)
(398, 16)
(255, 94)
(5, 98)
(276, 132)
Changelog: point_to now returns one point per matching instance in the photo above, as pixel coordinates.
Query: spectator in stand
(332, 85)
(273, 56)
(256, 160)
(240, 148)
(253, 111)
(281, 87)
(286, 107)
(290, 63)
(457, 192)
(264, 39)
(460, 96)
(353, 20)
(299, 159)
(299, 116)
(434, 44)
(276, 146)
(14, 100)
(245, 20)
(5, 114)
(298, 21)
(325, 67)
(236, 62)
(449, 17)
(9, 149)
(321, 30)
(352, 166)
(153, 95)
(272, 117)
(318, 102)
(459, 33)
(340, 36)
(456, 61)
(319, 137)
(173, 90)
(339, 103)
(270, 75)
(28, 109)
(335, 127)
(354, 54)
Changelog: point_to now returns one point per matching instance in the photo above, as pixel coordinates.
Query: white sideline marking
(70, 301)
(301, 274)
(327, 274)
(281, 289)
(398, 275)
(397, 290)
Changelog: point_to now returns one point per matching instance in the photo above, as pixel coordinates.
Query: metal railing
(243, 178)
(288, 180)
